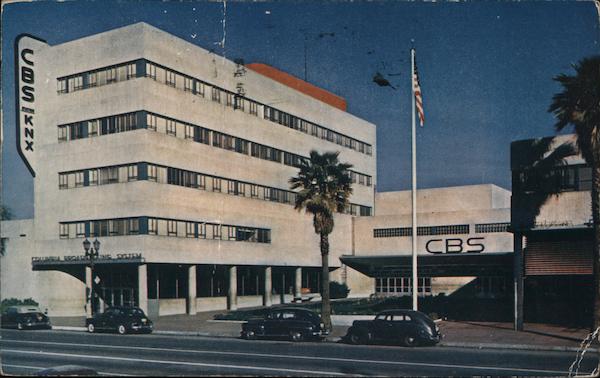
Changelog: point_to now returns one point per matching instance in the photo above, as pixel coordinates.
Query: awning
(446, 265)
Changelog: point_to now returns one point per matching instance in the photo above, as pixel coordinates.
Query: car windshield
(134, 312)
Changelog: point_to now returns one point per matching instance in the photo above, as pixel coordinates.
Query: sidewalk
(456, 334)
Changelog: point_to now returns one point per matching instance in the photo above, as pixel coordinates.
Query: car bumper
(433, 339)
(142, 328)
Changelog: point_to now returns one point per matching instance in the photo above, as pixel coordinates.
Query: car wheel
(20, 326)
(296, 336)
(360, 337)
(121, 329)
(91, 328)
(410, 341)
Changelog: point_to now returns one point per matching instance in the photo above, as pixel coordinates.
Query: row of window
(401, 285)
(180, 177)
(144, 68)
(96, 78)
(162, 227)
(421, 231)
(455, 229)
(556, 180)
(142, 119)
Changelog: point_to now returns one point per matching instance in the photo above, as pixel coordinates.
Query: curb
(514, 346)
(67, 328)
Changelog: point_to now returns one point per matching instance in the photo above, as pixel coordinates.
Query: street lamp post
(91, 253)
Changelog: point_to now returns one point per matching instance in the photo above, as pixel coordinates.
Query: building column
(143, 287)
(268, 287)
(232, 292)
(298, 284)
(518, 282)
(191, 292)
(88, 292)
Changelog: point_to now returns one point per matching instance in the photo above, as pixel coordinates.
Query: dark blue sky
(486, 69)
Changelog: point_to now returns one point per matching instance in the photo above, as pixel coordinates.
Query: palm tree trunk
(326, 301)
(596, 252)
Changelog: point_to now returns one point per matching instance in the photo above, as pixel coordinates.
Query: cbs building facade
(178, 161)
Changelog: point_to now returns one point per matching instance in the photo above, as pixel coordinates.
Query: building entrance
(118, 296)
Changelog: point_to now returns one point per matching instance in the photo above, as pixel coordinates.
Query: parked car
(407, 327)
(121, 319)
(24, 317)
(296, 324)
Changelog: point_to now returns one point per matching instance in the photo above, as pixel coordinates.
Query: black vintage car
(121, 319)
(407, 327)
(24, 317)
(296, 324)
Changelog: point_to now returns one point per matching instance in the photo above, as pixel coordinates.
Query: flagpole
(415, 283)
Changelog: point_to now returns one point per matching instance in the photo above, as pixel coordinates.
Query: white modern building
(177, 161)
(463, 239)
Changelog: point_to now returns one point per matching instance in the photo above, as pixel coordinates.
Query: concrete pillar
(518, 282)
(143, 287)
(232, 292)
(267, 301)
(191, 296)
(88, 292)
(298, 283)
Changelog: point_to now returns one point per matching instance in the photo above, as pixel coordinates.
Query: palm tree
(578, 105)
(325, 187)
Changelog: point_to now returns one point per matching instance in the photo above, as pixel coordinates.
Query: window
(254, 191)
(215, 94)
(171, 128)
(236, 188)
(93, 177)
(170, 78)
(151, 121)
(216, 184)
(130, 71)
(133, 226)
(229, 99)
(190, 229)
(238, 102)
(111, 75)
(263, 235)
(171, 228)
(189, 131)
(132, 172)
(202, 135)
(152, 226)
(253, 108)
(78, 83)
(63, 132)
(199, 88)
(151, 70)
(63, 181)
(216, 229)
(188, 84)
(152, 172)
(202, 230)
(63, 230)
(78, 179)
(61, 86)
(92, 128)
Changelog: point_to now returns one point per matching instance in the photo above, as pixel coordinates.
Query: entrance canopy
(446, 265)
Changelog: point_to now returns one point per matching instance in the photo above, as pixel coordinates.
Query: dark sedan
(24, 317)
(296, 324)
(120, 319)
(407, 327)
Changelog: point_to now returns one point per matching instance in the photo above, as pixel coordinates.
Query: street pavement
(25, 352)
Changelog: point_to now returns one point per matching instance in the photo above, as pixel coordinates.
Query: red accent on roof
(299, 85)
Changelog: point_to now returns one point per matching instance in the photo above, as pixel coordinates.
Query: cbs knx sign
(25, 49)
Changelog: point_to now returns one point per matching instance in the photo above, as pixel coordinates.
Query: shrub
(338, 290)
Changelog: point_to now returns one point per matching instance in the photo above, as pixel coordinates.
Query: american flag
(418, 96)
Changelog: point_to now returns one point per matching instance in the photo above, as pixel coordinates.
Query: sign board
(26, 47)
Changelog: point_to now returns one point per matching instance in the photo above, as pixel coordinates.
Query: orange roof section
(299, 85)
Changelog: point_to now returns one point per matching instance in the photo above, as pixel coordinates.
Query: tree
(5, 213)
(325, 187)
(578, 105)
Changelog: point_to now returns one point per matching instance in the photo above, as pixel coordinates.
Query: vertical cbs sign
(26, 47)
